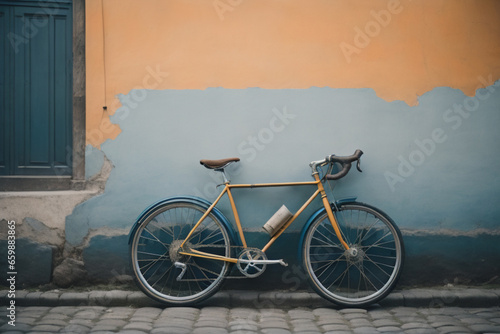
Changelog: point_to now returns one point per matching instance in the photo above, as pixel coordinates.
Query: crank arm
(283, 263)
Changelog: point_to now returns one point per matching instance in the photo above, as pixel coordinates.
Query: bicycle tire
(153, 252)
(345, 278)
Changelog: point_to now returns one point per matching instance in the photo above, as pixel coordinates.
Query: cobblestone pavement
(214, 320)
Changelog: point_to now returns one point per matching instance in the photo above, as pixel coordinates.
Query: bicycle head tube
(319, 163)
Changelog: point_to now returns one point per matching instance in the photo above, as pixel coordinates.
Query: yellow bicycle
(183, 247)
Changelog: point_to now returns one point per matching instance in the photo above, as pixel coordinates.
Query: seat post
(226, 181)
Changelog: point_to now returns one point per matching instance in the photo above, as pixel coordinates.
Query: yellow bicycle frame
(227, 189)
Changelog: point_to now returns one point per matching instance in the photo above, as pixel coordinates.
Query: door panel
(62, 95)
(41, 106)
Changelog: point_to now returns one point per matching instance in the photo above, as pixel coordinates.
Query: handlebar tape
(345, 162)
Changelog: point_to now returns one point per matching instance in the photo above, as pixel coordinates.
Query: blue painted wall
(431, 167)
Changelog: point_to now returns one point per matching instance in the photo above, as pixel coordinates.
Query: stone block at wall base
(106, 259)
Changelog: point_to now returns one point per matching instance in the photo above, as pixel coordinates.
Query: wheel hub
(354, 254)
(175, 248)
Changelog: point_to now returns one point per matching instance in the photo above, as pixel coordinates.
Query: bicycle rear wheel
(155, 253)
(368, 271)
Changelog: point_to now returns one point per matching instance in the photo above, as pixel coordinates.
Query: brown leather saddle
(218, 164)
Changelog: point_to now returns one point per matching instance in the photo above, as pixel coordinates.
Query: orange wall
(401, 49)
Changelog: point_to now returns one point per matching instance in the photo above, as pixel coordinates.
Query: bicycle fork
(330, 214)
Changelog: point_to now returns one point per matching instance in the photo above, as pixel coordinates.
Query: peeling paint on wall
(50, 208)
(400, 48)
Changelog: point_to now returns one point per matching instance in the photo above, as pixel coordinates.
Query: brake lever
(358, 165)
(328, 171)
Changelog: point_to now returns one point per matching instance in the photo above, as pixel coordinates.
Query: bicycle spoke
(340, 277)
(199, 230)
(366, 280)
(326, 239)
(162, 275)
(382, 238)
(330, 273)
(382, 246)
(366, 235)
(155, 238)
(379, 264)
(197, 282)
(167, 280)
(164, 229)
(392, 258)
(151, 263)
(205, 270)
(359, 230)
(325, 267)
(149, 253)
(209, 236)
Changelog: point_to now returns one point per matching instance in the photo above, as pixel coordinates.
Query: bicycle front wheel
(164, 274)
(365, 273)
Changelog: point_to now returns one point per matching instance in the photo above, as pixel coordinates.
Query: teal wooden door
(37, 89)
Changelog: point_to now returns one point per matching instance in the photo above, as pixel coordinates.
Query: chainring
(250, 269)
